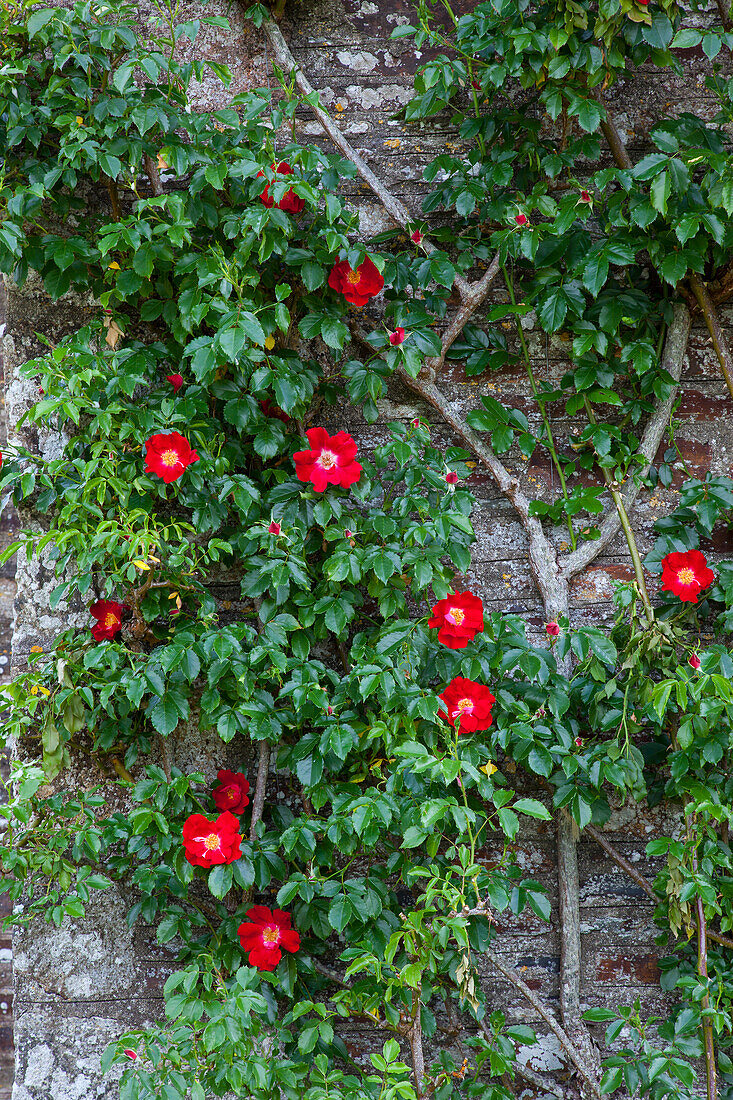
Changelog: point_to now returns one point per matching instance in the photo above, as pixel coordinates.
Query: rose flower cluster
(206, 843)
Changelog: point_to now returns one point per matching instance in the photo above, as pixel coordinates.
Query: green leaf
(340, 913)
(553, 310)
(164, 715)
(220, 880)
(532, 808)
(595, 273)
(660, 192)
(673, 267)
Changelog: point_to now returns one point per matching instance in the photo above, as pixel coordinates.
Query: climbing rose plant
(239, 326)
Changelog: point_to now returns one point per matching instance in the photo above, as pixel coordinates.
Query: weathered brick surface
(81, 986)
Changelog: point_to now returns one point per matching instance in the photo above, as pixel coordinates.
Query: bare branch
(709, 312)
(641, 882)
(552, 586)
(675, 346)
(392, 205)
(153, 175)
(525, 1072)
(258, 801)
(478, 292)
(569, 891)
(576, 1057)
(416, 1049)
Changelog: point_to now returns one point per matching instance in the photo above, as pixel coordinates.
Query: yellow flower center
(464, 704)
(686, 576)
(456, 615)
(110, 619)
(270, 934)
(211, 842)
(353, 277)
(232, 795)
(170, 458)
(327, 460)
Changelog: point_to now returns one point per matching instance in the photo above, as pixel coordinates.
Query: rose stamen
(170, 458)
(456, 615)
(686, 576)
(271, 934)
(327, 460)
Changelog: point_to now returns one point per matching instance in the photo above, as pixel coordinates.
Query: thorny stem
(623, 516)
(540, 404)
(702, 973)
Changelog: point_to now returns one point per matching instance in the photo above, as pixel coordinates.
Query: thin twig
(524, 1071)
(566, 1042)
(675, 346)
(702, 972)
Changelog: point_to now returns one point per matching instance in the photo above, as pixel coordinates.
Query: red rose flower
(330, 461)
(695, 661)
(686, 574)
(467, 703)
(521, 219)
(451, 478)
(459, 619)
(552, 629)
(274, 528)
(579, 742)
(167, 456)
(290, 202)
(108, 614)
(274, 411)
(357, 286)
(208, 842)
(397, 337)
(265, 936)
(585, 195)
(232, 793)
(416, 236)
(176, 380)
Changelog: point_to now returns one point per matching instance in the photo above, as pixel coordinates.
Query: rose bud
(552, 629)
